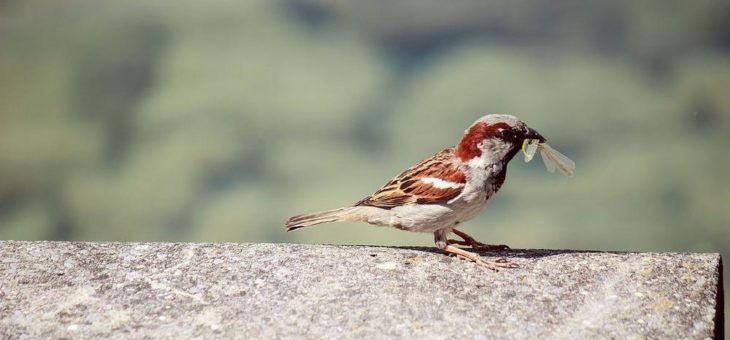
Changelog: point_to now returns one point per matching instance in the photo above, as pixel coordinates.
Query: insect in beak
(529, 147)
(551, 157)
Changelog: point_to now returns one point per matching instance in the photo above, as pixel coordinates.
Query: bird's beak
(532, 134)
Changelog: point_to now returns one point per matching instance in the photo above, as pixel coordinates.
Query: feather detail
(335, 215)
(434, 180)
(468, 147)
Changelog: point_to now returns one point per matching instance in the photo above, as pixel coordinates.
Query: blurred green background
(216, 120)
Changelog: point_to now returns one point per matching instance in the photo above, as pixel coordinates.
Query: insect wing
(554, 159)
(549, 163)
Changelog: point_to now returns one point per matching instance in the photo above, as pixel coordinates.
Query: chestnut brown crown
(496, 127)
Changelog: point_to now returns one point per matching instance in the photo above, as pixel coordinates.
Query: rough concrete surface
(166, 290)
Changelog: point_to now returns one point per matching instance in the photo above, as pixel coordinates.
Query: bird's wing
(436, 179)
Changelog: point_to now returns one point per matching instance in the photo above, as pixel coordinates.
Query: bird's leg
(443, 243)
(474, 244)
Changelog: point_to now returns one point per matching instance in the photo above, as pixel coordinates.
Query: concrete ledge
(62, 289)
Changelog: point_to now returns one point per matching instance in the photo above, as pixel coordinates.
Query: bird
(444, 190)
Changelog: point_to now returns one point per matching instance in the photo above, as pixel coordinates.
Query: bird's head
(494, 138)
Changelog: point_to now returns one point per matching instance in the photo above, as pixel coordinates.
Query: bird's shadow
(511, 253)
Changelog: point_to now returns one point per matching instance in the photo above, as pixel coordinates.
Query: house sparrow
(444, 190)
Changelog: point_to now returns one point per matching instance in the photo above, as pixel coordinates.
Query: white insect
(529, 147)
(551, 157)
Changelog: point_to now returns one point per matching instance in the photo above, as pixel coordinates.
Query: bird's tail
(335, 215)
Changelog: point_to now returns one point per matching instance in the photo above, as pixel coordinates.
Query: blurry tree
(145, 121)
(115, 72)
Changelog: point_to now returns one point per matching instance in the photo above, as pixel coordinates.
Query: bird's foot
(493, 264)
(476, 245)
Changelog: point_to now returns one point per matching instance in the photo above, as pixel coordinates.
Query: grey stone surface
(166, 290)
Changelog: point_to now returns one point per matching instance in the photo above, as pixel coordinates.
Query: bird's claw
(478, 246)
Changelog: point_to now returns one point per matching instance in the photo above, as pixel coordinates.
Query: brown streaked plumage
(410, 187)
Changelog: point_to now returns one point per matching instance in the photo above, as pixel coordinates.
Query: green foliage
(214, 122)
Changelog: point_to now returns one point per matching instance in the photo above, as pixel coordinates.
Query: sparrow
(444, 190)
